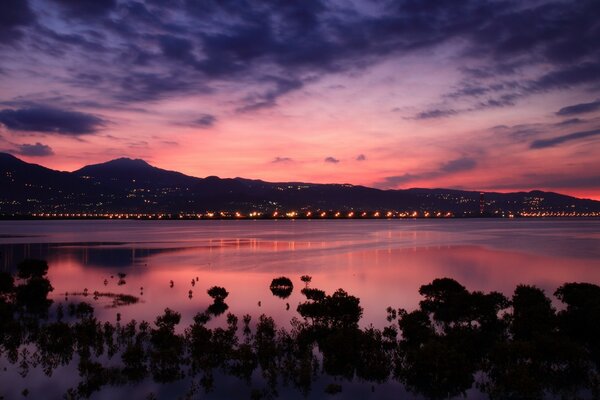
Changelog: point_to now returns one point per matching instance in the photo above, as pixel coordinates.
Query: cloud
(331, 160)
(50, 120)
(361, 157)
(435, 113)
(86, 9)
(570, 121)
(458, 165)
(34, 150)
(148, 86)
(573, 75)
(269, 98)
(397, 180)
(446, 168)
(548, 181)
(580, 108)
(282, 160)
(205, 121)
(555, 141)
(15, 15)
(133, 51)
(176, 48)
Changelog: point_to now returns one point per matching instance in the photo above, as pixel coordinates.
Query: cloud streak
(282, 160)
(205, 121)
(51, 121)
(558, 140)
(580, 108)
(34, 150)
(462, 164)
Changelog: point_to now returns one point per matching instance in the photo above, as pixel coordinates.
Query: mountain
(134, 186)
(123, 170)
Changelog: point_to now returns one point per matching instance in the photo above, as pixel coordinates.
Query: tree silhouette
(218, 293)
(282, 287)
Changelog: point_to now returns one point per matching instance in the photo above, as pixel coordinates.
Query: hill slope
(126, 185)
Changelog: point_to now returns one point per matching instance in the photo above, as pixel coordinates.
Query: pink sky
(447, 114)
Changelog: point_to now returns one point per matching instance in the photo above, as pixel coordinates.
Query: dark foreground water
(382, 263)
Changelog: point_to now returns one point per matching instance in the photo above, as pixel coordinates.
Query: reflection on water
(457, 343)
(382, 262)
(172, 264)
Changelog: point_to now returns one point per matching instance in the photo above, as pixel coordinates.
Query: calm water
(381, 262)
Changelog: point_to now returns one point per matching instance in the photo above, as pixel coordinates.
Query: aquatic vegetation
(306, 279)
(218, 293)
(118, 299)
(32, 268)
(456, 340)
(282, 287)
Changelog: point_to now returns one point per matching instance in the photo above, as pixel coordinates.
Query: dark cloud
(282, 160)
(557, 31)
(50, 120)
(523, 132)
(436, 113)
(149, 86)
(570, 121)
(119, 48)
(458, 165)
(269, 98)
(397, 180)
(548, 182)
(447, 168)
(86, 8)
(555, 141)
(34, 150)
(561, 78)
(504, 100)
(580, 108)
(331, 160)
(205, 121)
(14, 15)
(361, 157)
(176, 48)
(56, 42)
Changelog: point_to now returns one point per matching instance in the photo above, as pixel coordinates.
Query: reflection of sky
(382, 262)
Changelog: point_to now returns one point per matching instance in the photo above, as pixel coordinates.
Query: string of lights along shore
(493, 96)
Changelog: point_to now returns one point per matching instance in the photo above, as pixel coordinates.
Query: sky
(470, 94)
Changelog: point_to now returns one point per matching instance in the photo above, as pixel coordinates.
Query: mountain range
(133, 186)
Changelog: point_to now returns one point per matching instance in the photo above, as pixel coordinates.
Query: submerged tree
(218, 293)
(454, 341)
(32, 294)
(306, 279)
(282, 287)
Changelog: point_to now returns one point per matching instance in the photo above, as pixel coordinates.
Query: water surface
(382, 262)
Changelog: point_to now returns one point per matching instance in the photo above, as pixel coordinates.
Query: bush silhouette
(282, 287)
(218, 293)
(31, 268)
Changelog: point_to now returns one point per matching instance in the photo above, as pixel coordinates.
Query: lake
(382, 262)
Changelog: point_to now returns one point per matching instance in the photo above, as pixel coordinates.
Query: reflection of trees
(282, 287)
(457, 339)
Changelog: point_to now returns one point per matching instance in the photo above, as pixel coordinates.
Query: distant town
(226, 215)
(133, 189)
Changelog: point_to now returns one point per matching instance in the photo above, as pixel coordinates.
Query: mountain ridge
(133, 185)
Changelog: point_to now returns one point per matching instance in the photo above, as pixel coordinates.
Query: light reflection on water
(382, 262)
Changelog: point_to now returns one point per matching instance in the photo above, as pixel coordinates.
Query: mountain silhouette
(133, 185)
